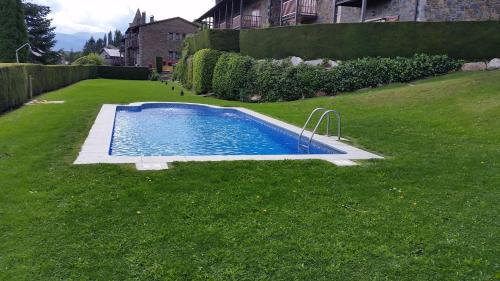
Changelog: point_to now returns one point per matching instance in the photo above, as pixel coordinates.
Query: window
(171, 36)
(177, 37)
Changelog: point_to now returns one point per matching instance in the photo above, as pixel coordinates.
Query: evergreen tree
(13, 32)
(118, 38)
(40, 32)
(105, 39)
(90, 46)
(99, 44)
(110, 39)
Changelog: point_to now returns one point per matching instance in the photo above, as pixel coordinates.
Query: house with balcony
(245, 14)
(144, 41)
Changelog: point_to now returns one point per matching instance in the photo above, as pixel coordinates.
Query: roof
(112, 52)
(162, 21)
(212, 10)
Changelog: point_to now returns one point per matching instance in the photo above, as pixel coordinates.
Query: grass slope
(428, 212)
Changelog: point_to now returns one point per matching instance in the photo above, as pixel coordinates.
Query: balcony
(247, 22)
(302, 9)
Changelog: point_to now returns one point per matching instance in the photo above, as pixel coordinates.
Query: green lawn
(428, 212)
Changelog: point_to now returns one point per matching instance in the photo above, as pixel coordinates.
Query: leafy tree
(90, 59)
(13, 32)
(73, 56)
(40, 32)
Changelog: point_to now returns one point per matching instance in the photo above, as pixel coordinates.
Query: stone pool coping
(95, 150)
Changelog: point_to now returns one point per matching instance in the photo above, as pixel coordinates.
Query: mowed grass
(429, 211)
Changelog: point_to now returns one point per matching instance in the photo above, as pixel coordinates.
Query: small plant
(155, 76)
(182, 93)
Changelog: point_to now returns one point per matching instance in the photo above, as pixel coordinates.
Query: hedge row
(123, 73)
(464, 40)
(204, 62)
(238, 77)
(14, 81)
(223, 40)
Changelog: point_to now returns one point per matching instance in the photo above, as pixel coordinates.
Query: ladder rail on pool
(327, 114)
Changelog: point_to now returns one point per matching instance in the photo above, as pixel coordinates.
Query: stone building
(241, 14)
(144, 41)
(112, 56)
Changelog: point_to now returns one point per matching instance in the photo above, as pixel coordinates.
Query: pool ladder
(326, 114)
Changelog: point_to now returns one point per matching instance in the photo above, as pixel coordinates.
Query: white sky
(71, 16)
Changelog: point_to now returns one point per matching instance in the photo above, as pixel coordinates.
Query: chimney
(143, 18)
(152, 19)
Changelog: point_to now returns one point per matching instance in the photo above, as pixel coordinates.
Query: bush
(276, 81)
(188, 83)
(14, 81)
(183, 72)
(204, 62)
(238, 77)
(233, 77)
(123, 72)
(90, 59)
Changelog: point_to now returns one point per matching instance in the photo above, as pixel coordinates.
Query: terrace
(231, 14)
(294, 11)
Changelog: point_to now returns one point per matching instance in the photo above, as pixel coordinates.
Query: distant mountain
(74, 41)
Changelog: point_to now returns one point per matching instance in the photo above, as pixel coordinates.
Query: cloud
(72, 16)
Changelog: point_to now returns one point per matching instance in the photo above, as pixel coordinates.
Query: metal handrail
(307, 123)
(327, 113)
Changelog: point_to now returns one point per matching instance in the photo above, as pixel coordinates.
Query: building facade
(241, 14)
(144, 41)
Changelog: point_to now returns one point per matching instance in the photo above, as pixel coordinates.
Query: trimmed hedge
(463, 40)
(14, 81)
(204, 62)
(233, 78)
(159, 64)
(238, 77)
(223, 40)
(123, 73)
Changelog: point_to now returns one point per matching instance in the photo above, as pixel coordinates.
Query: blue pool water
(195, 130)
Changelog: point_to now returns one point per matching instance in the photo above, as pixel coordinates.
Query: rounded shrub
(233, 77)
(204, 62)
(90, 59)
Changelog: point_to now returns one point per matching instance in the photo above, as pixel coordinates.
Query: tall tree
(90, 46)
(105, 39)
(13, 32)
(110, 39)
(118, 38)
(99, 44)
(41, 32)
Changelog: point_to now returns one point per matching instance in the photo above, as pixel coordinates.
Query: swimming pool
(160, 129)
(150, 135)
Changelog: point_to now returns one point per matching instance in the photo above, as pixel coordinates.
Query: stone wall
(154, 39)
(427, 10)
(461, 10)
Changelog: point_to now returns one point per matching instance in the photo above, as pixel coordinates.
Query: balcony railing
(247, 22)
(251, 21)
(305, 8)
